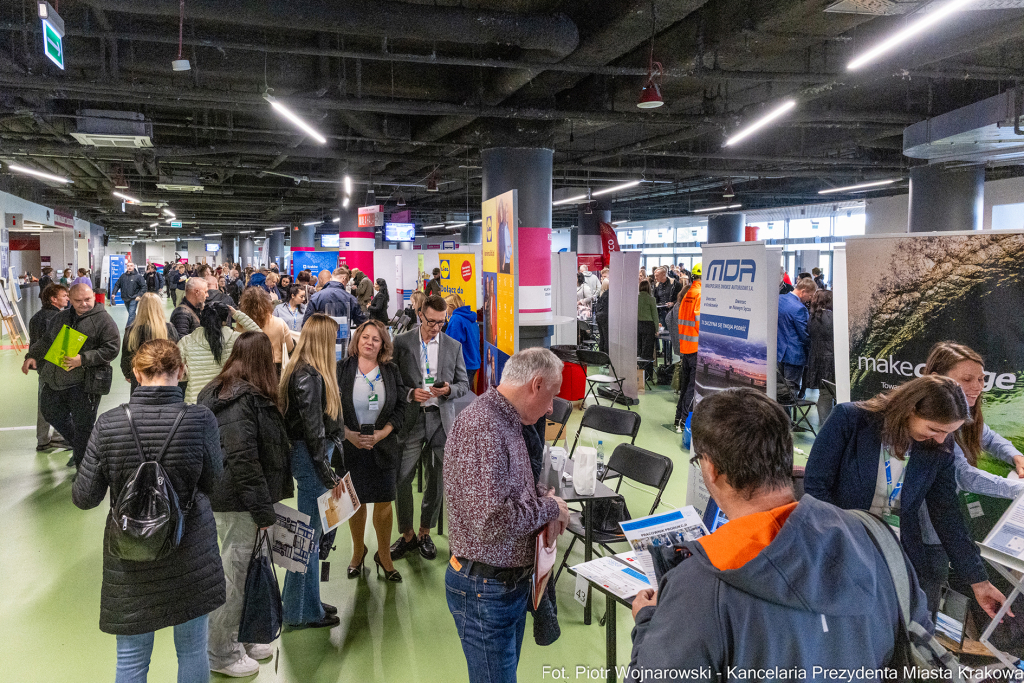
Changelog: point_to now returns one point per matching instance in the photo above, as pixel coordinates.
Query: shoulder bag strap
(174, 428)
(892, 552)
(135, 433)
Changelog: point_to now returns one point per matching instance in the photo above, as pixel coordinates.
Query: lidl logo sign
(446, 269)
(490, 231)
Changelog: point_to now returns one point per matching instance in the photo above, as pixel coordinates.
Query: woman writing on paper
(257, 474)
(373, 405)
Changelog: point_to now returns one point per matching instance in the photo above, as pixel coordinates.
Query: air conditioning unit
(180, 184)
(107, 128)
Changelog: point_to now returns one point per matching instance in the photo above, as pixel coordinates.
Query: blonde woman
(312, 412)
(258, 305)
(150, 323)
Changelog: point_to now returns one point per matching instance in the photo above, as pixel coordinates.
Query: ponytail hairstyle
(212, 319)
(932, 397)
(941, 360)
(158, 357)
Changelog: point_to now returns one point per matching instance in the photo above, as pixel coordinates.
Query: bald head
(82, 298)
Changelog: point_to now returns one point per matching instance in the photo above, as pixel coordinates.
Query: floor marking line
(16, 429)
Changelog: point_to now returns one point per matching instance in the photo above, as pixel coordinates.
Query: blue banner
(314, 261)
(728, 327)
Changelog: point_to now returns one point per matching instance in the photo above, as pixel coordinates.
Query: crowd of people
(261, 394)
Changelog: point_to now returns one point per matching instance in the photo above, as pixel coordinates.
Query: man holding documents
(495, 514)
(72, 385)
(782, 586)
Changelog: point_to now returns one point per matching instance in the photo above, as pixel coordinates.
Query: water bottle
(600, 459)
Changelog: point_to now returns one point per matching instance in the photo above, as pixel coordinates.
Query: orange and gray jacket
(689, 320)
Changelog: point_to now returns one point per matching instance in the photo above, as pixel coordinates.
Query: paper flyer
(292, 539)
(670, 528)
(614, 576)
(335, 512)
(544, 561)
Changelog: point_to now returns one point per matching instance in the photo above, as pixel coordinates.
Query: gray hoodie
(819, 595)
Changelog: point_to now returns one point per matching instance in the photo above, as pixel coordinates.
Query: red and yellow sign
(458, 276)
(499, 271)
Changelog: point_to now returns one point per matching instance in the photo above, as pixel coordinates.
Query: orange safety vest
(689, 320)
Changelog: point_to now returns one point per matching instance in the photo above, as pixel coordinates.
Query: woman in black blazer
(371, 394)
(892, 454)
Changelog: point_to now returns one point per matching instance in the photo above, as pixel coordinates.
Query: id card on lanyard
(892, 493)
(373, 401)
(428, 379)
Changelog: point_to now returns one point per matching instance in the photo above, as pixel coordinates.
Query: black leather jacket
(306, 420)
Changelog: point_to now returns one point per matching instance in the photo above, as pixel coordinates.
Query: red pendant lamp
(650, 94)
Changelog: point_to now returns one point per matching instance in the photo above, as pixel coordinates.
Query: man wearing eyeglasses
(434, 373)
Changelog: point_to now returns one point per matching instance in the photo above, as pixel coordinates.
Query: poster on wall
(909, 292)
(501, 306)
(458, 276)
(738, 318)
(115, 268)
(314, 262)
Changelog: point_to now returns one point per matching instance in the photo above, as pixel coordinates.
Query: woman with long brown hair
(258, 305)
(373, 405)
(891, 455)
(257, 474)
(308, 394)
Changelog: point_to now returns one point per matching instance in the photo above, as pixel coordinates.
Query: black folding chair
(560, 412)
(634, 464)
(828, 389)
(600, 359)
(608, 421)
(798, 409)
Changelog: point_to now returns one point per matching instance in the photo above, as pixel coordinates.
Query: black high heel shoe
(357, 571)
(393, 576)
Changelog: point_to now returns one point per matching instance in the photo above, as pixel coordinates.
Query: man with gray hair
(495, 513)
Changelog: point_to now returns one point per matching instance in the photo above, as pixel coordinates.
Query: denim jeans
(490, 618)
(134, 652)
(301, 594)
(132, 306)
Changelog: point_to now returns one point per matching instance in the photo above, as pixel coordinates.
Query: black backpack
(146, 522)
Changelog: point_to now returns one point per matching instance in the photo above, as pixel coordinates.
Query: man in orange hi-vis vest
(689, 328)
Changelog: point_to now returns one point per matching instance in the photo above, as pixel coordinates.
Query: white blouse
(361, 395)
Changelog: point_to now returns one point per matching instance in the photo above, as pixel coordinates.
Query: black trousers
(72, 412)
(646, 337)
(687, 382)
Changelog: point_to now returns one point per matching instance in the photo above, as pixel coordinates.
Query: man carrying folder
(70, 395)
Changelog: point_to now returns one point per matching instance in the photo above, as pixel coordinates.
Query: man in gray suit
(432, 363)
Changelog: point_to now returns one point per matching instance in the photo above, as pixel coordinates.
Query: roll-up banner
(738, 317)
(458, 276)
(906, 292)
(500, 295)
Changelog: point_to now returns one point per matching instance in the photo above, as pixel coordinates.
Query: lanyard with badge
(429, 379)
(372, 400)
(892, 492)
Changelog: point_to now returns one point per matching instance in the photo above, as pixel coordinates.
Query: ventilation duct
(898, 7)
(984, 132)
(106, 128)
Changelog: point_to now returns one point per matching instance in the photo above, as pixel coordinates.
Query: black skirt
(372, 484)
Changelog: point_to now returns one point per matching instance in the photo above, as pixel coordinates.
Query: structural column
(528, 170)
(725, 227)
(946, 199)
(246, 251)
(139, 256)
(356, 243)
(227, 249)
(275, 247)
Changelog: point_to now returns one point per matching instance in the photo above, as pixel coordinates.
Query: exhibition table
(610, 649)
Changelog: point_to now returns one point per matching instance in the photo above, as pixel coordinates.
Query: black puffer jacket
(307, 421)
(257, 457)
(139, 597)
(100, 347)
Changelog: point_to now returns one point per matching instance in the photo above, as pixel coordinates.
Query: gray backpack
(915, 648)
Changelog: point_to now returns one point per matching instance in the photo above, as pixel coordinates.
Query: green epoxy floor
(50, 566)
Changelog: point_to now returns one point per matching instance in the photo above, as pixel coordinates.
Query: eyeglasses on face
(432, 323)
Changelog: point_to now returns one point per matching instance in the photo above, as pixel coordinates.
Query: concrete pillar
(528, 170)
(139, 256)
(227, 249)
(303, 237)
(357, 244)
(946, 199)
(246, 251)
(472, 233)
(275, 247)
(725, 227)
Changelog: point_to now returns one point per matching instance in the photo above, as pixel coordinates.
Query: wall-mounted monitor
(399, 232)
(212, 246)
(330, 241)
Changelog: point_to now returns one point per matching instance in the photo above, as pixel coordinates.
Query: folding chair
(798, 409)
(600, 359)
(829, 389)
(560, 412)
(634, 464)
(608, 421)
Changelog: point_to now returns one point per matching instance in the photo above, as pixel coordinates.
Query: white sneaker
(679, 430)
(246, 666)
(260, 651)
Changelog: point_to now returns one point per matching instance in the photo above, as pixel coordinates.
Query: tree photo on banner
(913, 291)
(499, 278)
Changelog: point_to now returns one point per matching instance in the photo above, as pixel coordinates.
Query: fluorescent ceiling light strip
(762, 122)
(140, 229)
(348, 184)
(455, 225)
(479, 220)
(39, 174)
(153, 225)
(166, 239)
(862, 186)
(336, 220)
(616, 188)
(170, 213)
(213, 234)
(619, 222)
(431, 227)
(312, 223)
(246, 232)
(272, 229)
(127, 198)
(294, 118)
(925, 22)
(570, 199)
(718, 208)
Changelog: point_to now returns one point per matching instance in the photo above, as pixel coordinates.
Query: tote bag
(261, 607)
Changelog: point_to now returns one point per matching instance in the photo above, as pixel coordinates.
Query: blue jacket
(843, 470)
(793, 339)
(334, 295)
(463, 328)
(820, 594)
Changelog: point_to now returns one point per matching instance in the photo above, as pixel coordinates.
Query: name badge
(894, 523)
(374, 402)
(429, 381)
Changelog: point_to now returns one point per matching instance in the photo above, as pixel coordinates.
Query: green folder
(68, 343)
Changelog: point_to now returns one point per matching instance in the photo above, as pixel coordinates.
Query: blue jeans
(301, 594)
(132, 305)
(133, 654)
(490, 618)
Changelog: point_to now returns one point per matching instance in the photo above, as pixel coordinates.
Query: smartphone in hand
(366, 430)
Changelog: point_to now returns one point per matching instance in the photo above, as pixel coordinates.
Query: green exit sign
(175, 224)
(53, 44)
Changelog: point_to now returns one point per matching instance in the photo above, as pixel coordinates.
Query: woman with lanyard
(892, 454)
(373, 406)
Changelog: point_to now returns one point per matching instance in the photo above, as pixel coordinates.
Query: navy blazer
(793, 338)
(843, 470)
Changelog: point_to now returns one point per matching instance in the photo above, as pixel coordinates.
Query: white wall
(884, 215)
(1002, 192)
(561, 239)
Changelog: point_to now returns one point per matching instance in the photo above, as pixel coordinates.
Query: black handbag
(146, 522)
(262, 610)
(607, 513)
(98, 379)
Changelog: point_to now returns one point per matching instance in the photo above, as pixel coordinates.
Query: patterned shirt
(494, 510)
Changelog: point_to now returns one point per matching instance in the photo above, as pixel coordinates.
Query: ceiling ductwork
(984, 132)
(105, 128)
(899, 7)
